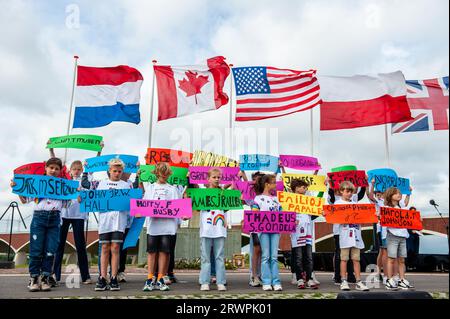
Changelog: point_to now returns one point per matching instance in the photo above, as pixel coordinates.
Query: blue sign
(258, 162)
(386, 178)
(107, 200)
(134, 232)
(100, 163)
(42, 186)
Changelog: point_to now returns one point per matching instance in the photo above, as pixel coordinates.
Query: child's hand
(79, 199)
(85, 163)
(280, 163)
(372, 181)
(102, 144)
(410, 189)
(12, 184)
(138, 163)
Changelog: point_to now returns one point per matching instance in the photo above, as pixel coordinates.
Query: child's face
(115, 173)
(214, 179)
(52, 170)
(272, 185)
(379, 195)
(347, 194)
(76, 170)
(162, 178)
(397, 196)
(301, 190)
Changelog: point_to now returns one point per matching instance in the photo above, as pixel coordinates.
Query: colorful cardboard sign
(344, 168)
(107, 200)
(134, 232)
(386, 178)
(42, 186)
(301, 204)
(80, 141)
(350, 214)
(201, 158)
(306, 163)
(199, 174)
(269, 222)
(177, 208)
(100, 163)
(357, 178)
(248, 191)
(214, 198)
(400, 218)
(178, 177)
(31, 169)
(316, 182)
(259, 162)
(173, 157)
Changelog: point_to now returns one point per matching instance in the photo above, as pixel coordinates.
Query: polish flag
(360, 100)
(184, 90)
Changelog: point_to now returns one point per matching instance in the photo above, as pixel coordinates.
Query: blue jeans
(218, 245)
(269, 258)
(44, 240)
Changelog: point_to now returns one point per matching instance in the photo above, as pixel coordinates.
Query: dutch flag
(105, 95)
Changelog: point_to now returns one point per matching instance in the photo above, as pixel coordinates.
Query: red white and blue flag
(267, 92)
(428, 102)
(105, 95)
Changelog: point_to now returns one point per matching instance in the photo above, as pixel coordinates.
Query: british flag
(428, 101)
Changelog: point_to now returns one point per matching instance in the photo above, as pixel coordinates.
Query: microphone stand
(446, 227)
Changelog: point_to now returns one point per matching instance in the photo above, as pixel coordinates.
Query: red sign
(400, 218)
(173, 157)
(357, 178)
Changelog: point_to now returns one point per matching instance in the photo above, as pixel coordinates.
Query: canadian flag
(184, 90)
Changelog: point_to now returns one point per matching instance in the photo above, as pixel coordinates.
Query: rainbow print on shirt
(219, 218)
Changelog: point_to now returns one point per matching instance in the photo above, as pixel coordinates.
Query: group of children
(52, 218)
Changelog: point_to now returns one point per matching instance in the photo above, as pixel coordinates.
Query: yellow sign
(316, 182)
(301, 204)
(202, 158)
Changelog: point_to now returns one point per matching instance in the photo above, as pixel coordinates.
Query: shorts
(255, 239)
(160, 243)
(396, 246)
(112, 237)
(355, 254)
(381, 242)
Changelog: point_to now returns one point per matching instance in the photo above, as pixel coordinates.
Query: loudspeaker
(385, 295)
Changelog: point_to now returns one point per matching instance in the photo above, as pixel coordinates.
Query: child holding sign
(44, 232)
(264, 201)
(350, 241)
(159, 229)
(213, 232)
(396, 242)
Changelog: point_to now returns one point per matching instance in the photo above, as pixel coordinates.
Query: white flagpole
(386, 142)
(71, 101)
(312, 130)
(150, 129)
(231, 113)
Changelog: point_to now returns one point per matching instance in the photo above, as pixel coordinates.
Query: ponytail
(260, 183)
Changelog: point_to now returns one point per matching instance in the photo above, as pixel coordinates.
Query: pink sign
(248, 193)
(177, 208)
(306, 163)
(269, 222)
(199, 174)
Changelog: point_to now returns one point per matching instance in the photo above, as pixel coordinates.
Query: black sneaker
(114, 284)
(34, 284)
(45, 283)
(101, 285)
(173, 279)
(53, 282)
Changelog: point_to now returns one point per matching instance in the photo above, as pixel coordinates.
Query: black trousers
(303, 261)
(337, 263)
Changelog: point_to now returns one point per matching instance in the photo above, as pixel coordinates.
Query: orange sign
(400, 218)
(173, 157)
(350, 214)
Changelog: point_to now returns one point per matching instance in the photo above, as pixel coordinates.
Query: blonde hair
(76, 163)
(346, 185)
(116, 162)
(388, 194)
(214, 170)
(162, 168)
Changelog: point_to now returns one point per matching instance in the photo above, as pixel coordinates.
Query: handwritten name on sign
(350, 214)
(269, 222)
(199, 174)
(173, 157)
(80, 141)
(259, 162)
(202, 158)
(31, 169)
(300, 162)
(107, 200)
(357, 178)
(214, 198)
(178, 177)
(400, 218)
(100, 163)
(178, 208)
(42, 186)
(301, 204)
(248, 191)
(386, 178)
(316, 182)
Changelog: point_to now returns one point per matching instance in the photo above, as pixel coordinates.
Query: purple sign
(248, 193)
(269, 222)
(199, 174)
(306, 163)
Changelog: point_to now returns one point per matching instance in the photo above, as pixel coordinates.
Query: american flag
(428, 101)
(265, 92)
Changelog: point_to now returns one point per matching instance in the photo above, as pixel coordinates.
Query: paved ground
(14, 286)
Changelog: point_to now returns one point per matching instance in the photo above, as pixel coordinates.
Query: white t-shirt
(354, 200)
(399, 232)
(266, 203)
(157, 226)
(213, 224)
(303, 231)
(116, 220)
(46, 204)
(349, 234)
(72, 211)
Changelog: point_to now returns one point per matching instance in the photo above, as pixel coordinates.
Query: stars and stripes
(267, 92)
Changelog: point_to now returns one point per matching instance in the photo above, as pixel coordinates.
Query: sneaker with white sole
(87, 281)
(311, 284)
(345, 286)
(255, 282)
(267, 287)
(391, 284)
(45, 283)
(361, 286)
(301, 284)
(114, 284)
(277, 288)
(405, 284)
(34, 284)
(221, 287)
(167, 280)
(149, 285)
(294, 279)
(161, 285)
(204, 287)
(314, 278)
(121, 277)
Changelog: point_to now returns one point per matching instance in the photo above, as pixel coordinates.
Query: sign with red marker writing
(350, 214)
(400, 218)
(357, 178)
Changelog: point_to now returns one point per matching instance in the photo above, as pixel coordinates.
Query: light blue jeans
(218, 246)
(269, 259)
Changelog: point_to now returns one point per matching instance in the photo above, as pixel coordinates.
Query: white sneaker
(167, 280)
(221, 287)
(267, 287)
(391, 284)
(121, 277)
(294, 279)
(315, 279)
(301, 284)
(255, 282)
(311, 284)
(361, 286)
(345, 286)
(405, 285)
(204, 287)
(277, 288)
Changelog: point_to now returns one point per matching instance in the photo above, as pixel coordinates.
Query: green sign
(178, 177)
(214, 198)
(81, 141)
(344, 168)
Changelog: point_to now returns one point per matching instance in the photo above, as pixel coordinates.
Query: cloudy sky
(40, 38)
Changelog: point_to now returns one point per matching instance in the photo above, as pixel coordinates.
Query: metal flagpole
(231, 114)
(312, 131)
(150, 129)
(386, 142)
(71, 101)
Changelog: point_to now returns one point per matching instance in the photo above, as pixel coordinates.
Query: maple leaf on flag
(193, 85)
